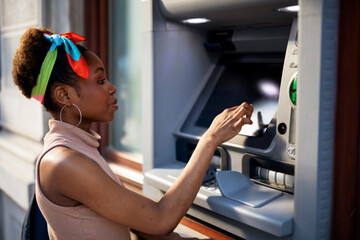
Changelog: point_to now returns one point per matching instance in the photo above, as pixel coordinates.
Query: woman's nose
(112, 89)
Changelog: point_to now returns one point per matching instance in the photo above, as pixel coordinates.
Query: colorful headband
(75, 59)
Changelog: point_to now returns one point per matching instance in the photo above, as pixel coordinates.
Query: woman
(78, 194)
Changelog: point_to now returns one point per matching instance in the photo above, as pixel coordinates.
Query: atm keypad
(211, 186)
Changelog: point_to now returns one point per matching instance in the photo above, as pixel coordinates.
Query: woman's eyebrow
(99, 69)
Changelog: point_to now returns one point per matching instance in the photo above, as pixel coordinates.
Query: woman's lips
(114, 105)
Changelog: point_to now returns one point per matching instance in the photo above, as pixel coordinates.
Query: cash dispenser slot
(275, 174)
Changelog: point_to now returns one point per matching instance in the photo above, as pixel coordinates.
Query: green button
(293, 87)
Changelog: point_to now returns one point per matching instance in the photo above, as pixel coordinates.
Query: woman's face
(96, 94)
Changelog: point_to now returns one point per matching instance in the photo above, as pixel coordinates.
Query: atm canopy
(229, 14)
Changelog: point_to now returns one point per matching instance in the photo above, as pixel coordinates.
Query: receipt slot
(248, 190)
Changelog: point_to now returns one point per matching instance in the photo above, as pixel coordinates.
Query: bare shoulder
(60, 154)
(59, 169)
(62, 158)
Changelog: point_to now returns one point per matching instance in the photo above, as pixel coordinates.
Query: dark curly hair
(28, 60)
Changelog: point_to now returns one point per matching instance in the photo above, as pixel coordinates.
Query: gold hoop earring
(62, 109)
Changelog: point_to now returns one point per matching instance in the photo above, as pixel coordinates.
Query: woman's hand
(229, 123)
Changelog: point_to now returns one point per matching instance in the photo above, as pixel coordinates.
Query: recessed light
(289, 9)
(196, 20)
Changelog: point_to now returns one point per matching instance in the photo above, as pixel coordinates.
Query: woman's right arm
(82, 180)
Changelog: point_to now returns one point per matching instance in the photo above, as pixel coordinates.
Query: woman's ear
(61, 95)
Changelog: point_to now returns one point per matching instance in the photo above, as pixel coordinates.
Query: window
(112, 29)
(125, 73)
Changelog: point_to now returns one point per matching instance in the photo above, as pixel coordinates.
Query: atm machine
(247, 51)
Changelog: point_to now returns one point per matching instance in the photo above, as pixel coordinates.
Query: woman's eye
(102, 81)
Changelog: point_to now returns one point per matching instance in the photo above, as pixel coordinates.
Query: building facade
(23, 122)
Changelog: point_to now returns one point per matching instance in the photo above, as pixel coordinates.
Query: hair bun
(29, 57)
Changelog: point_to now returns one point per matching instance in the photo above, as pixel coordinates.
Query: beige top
(78, 222)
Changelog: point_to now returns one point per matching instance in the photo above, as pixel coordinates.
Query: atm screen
(256, 81)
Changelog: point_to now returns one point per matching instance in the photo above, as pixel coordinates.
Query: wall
(23, 122)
